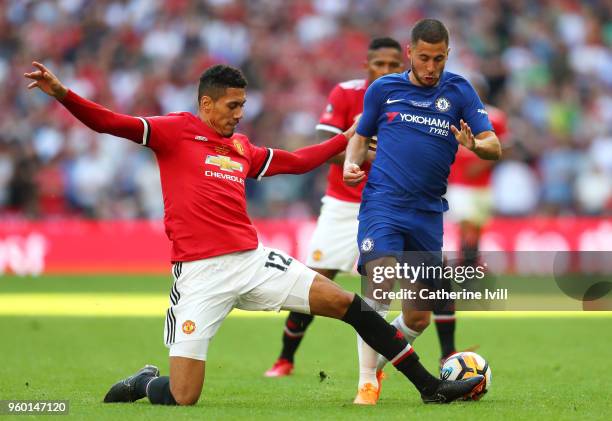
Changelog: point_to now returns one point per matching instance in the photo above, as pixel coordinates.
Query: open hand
(46, 81)
(464, 136)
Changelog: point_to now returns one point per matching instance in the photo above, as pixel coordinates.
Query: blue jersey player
(420, 117)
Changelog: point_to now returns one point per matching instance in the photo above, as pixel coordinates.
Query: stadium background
(75, 204)
(548, 65)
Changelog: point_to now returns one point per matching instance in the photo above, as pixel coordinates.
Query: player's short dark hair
(431, 31)
(216, 79)
(384, 42)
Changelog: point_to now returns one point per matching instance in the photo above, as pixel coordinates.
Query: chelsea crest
(442, 104)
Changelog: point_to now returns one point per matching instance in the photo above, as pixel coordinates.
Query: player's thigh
(186, 379)
(279, 282)
(381, 244)
(328, 273)
(423, 241)
(380, 277)
(425, 232)
(332, 245)
(483, 198)
(461, 206)
(201, 297)
(471, 204)
(326, 298)
(422, 258)
(378, 240)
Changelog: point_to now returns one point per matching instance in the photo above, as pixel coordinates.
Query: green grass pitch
(543, 367)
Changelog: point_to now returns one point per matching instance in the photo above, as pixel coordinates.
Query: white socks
(367, 356)
(409, 334)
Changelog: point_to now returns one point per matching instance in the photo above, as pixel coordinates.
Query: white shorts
(334, 242)
(205, 291)
(465, 203)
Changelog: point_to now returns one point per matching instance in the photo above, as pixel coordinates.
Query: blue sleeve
(368, 123)
(474, 112)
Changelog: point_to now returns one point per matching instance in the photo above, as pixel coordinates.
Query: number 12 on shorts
(278, 261)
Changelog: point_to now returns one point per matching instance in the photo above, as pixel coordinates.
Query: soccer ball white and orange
(464, 365)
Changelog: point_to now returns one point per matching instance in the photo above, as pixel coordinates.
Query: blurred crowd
(548, 65)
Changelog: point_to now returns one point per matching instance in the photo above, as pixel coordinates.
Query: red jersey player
(333, 245)
(218, 262)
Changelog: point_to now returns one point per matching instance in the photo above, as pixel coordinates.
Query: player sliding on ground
(218, 263)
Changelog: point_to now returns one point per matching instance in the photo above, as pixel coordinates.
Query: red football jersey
(203, 183)
(464, 159)
(203, 174)
(345, 102)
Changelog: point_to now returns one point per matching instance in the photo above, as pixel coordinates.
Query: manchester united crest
(188, 327)
(238, 146)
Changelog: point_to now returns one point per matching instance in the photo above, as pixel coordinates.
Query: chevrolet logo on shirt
(225, 163)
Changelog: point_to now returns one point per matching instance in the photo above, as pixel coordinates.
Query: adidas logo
(202, 138)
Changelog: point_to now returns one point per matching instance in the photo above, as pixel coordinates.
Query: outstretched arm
(306, 159)
(94, 116)
(339, 159)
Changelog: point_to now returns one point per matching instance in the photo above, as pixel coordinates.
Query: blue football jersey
(415, 146)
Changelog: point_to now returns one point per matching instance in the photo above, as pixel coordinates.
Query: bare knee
(340, 303)
(185, 395)
(417, 323)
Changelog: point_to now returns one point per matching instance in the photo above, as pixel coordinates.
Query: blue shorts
(385, 232)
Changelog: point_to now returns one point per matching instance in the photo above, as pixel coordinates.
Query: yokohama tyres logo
(418, 119)
(427, 121)
(391, 116)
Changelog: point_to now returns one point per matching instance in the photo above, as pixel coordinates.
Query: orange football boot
(368, 394)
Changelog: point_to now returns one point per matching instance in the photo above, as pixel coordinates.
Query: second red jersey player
(469, 194)
(344, 105)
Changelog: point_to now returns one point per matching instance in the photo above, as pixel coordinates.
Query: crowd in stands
(548, 65)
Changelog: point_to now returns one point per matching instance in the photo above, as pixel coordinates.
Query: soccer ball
(464, 365)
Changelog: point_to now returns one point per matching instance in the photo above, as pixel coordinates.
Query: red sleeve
(267, 162)
(334, 118)
(260, 160)
(103, 120)
(154, 132)
(163, 130)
